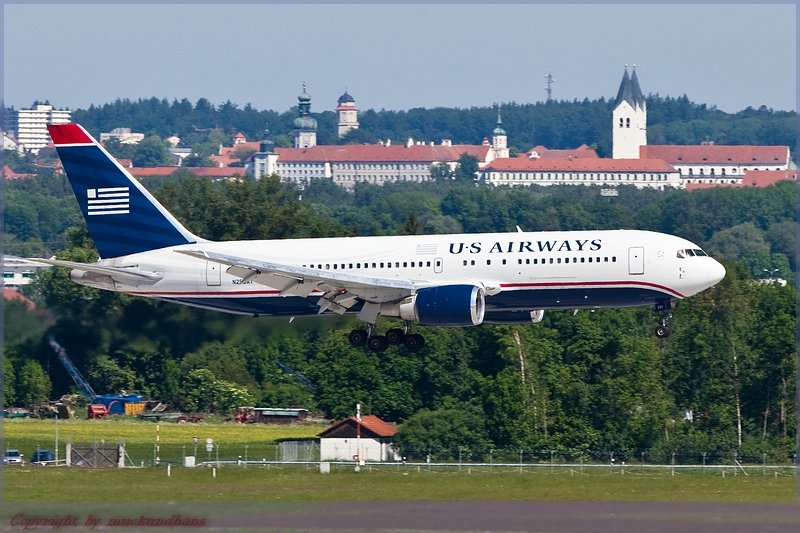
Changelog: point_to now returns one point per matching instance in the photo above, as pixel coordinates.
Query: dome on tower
(346, 99)
(498, 130)
(304, 96)
(305, 122)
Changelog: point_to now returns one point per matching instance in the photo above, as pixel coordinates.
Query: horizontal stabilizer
(121, 274)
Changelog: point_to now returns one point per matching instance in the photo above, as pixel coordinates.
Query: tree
(444, 434)
(9, 379)
(151, 152)
(467, 169)
(205, 392)
(33, 384)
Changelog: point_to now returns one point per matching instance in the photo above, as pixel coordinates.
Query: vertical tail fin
(123, 217)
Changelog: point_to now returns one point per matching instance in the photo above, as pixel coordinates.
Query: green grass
(296, 484)
(175, 440)
(299, 484)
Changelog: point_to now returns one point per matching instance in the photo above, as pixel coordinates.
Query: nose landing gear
(663, 309)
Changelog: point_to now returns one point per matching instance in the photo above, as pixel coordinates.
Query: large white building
(710, 163)
(32, 125)
(633, 162)
(524, 171)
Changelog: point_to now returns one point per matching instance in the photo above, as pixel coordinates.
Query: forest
(557, 124)
(594, 382)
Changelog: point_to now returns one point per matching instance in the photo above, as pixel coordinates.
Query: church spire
(629, 90)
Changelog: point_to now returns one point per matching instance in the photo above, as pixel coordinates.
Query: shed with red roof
(340, 442)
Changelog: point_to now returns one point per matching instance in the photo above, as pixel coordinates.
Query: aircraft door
(213, 274)
(636, 260)
(437, 265)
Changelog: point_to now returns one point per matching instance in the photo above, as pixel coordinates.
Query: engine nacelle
(446, 305)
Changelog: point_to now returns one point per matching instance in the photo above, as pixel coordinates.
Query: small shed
(340, 442)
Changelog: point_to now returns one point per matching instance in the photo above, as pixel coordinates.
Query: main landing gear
(663, 309)
(380, 343)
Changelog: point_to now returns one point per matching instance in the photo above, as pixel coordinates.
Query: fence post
(520, 461)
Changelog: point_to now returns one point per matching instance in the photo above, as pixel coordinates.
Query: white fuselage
(521, 272)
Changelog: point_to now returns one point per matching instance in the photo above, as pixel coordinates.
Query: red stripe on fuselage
(554, 285)
(209, 293)
(578, 284)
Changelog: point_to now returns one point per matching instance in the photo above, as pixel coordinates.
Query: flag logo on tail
(109, 201)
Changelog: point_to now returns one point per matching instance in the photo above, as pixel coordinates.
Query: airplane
(431, 280)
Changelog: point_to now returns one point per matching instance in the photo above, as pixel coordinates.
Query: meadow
(304, 483)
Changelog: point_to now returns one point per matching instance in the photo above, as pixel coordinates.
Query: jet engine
(446, 305)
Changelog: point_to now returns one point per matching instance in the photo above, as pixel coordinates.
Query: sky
(398, 56)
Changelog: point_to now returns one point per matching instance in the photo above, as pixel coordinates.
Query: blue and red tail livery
(123, 217)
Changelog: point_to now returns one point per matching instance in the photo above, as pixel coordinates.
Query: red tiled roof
(9, 174)
(10, 295)
(715, 154)
(378, 426)
(553, 164)
(763, 178)
(204, 172)
(230, 154)
(751, 178)
(581, 151)
(370, 422)
(378, 153)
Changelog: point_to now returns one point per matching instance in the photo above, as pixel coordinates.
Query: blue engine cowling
(450, 305)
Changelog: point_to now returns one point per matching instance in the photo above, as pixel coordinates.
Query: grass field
(297, 484)
(139, 437)
(306, 484)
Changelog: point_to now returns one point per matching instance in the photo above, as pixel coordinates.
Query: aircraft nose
(716, 273)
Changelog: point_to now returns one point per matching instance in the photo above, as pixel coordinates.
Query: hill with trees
(556, 124)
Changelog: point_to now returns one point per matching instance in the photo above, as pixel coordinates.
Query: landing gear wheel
(414, 342)
(358, 337)
(395, 336)
(378, 343)
(662, 332)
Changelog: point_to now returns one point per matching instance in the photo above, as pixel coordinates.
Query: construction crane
(74, 373)
(297, 376)
(96, 410)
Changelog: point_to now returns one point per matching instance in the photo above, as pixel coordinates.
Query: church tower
(629, 119)
(348, 114)
(305, 126)
(264, 160)
(499, 139)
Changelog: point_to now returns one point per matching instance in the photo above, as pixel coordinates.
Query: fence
(306, 454)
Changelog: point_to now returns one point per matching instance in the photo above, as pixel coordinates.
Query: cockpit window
(688, 252)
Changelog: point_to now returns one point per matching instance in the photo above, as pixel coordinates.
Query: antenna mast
(549, 87)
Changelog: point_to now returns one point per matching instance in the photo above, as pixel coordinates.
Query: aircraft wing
(340, 290)
(122, 274)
